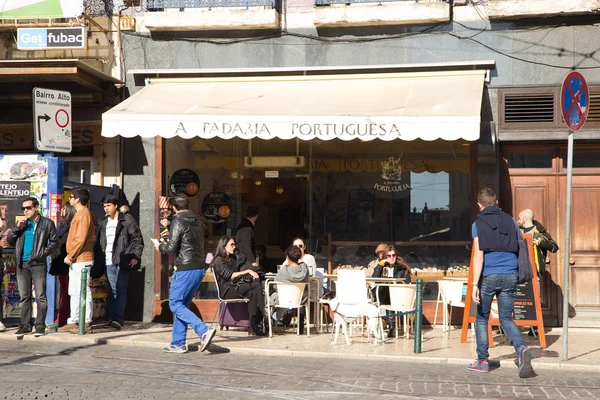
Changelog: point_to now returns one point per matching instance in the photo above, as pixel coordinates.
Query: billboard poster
(30, 9)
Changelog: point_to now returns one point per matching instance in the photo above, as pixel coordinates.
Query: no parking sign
(575, 100)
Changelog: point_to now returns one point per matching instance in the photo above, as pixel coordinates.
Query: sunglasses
(27, 208)
(392, 255)
(300, 246)
(71, 197)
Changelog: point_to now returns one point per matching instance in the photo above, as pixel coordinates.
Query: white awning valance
(404, 106)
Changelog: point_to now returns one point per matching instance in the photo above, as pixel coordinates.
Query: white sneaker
(2, 327)
(206, 339)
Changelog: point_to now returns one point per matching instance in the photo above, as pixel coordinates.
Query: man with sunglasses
(34, 239)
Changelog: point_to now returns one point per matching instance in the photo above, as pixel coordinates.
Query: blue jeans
(504, 286)
(184, 285)
(118, 278)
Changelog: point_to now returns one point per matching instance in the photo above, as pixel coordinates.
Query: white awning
(389, 106)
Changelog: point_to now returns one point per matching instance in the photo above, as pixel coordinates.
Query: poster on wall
(216, 207)
(184, 181)
(28, 9)
(165, 216)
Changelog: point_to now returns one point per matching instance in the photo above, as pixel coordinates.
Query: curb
(89, 340)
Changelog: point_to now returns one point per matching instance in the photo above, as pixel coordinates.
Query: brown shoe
(67, 328)
(88, 329)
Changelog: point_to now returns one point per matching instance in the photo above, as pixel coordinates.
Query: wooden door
(539, 193)
(584, 293)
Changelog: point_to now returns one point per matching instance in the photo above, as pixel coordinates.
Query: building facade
(335, 192)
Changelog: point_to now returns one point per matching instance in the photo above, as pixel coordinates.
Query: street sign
(575, 100)
(52, 120)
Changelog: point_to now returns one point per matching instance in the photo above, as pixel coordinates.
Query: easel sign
(528, 308)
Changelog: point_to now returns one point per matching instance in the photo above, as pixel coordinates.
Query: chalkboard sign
(527, 309)
(525, 302)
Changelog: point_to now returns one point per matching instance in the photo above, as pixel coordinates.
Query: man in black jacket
(244, 238)
(186, 241)
(34, 240)
(121, 244)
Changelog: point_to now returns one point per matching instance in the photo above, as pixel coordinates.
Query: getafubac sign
(51, 38)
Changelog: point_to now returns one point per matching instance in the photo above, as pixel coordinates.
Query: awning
(387, 106)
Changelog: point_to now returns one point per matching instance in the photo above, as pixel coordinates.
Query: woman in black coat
(58, 266)
(236, 284)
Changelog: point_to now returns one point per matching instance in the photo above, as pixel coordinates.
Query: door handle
(571, 261)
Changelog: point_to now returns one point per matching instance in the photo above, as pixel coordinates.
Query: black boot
(392, 326)
(254, 329)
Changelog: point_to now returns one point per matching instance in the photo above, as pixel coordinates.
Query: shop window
(583, 159)
(78, 169)
(530, 159)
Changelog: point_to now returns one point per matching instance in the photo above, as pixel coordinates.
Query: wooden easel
(522, 303)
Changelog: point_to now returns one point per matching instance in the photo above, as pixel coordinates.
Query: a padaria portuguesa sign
(391, 173)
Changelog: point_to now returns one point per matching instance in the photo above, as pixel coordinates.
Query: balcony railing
(348, 2)
(160, 5)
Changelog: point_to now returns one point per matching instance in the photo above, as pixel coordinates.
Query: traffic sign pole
(566, 248)
(575, 106)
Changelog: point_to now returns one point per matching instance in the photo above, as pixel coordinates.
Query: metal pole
(419, 317)
(566, 248)
(82, 297)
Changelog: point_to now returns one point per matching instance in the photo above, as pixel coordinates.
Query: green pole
(419, 317)
(82, 297)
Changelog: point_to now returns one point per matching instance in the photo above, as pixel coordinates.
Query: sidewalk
(584, 345)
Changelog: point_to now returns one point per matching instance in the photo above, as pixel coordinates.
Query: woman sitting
(234, 284)
(392, 266)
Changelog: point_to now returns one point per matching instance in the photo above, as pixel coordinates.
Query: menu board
(525, 303)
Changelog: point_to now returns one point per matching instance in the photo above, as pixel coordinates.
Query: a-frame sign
(528, 308)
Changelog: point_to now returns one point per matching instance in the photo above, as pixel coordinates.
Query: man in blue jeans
(187, 243)
(121, 244)
(495, 247)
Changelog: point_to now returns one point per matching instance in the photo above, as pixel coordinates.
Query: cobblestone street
(33, 370)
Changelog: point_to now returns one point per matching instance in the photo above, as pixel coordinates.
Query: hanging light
(279, 189)
(258, 182)
(234, 175)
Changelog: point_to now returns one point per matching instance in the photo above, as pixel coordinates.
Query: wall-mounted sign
(51, 38)
(52, 120)
(184, 181)
(215, 207)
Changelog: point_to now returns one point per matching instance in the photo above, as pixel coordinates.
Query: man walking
(121, 243)
(80, 255)
(187, 243)
(34, 239)
(495, 248)
(244, 238)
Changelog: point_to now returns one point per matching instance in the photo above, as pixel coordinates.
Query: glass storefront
(344, 197)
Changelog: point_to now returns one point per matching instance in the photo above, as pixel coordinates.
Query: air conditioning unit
(274, 162)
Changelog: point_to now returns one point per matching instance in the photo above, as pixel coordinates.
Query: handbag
(524, 267)
(245, 278)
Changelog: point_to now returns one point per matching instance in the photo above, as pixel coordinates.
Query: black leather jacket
(45, 240)
(128, 243)
(186, 241)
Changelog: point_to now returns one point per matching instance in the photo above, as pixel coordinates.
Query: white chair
(450, 294)
(402, 299)
(351, 293)
(290, 296)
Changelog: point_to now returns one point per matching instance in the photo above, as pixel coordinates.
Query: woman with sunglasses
(236, 284)
(393, 266)
(58, 266)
